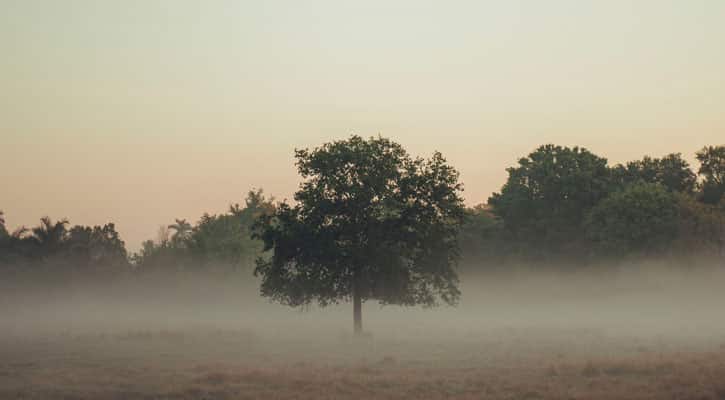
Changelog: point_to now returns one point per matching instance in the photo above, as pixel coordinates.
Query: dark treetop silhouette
(370, 223)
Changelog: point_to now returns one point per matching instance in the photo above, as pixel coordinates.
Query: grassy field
(639, 335)
(236, 364)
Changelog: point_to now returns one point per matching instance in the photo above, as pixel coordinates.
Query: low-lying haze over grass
(589, 333)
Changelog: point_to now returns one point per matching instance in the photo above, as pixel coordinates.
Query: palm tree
(49, 235)
(182, 231)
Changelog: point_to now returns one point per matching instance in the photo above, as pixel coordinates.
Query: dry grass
(242, 365)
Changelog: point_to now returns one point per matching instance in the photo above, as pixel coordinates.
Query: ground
(638, 334)
(237, 364)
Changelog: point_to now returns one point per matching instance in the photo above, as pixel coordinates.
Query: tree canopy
(563, 203)
(670, 171)
(225, 239)
(220, 241)
(712, 170)
(641, 218)
(545, 198)
(53, 244)
(369, 223)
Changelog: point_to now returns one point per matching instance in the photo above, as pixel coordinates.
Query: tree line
(559, 204)
(215, 241)
(567, 205)
(369, 222)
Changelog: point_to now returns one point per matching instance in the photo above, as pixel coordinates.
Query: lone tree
(369, 223)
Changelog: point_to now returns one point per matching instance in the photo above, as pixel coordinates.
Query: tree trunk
(356, 309)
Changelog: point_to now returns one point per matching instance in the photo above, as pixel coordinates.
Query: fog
(549, 331)
(645, 299)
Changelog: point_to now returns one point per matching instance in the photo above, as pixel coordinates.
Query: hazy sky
(141, 111)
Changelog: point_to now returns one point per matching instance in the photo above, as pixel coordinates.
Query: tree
(712, 170)
(545, 199)
(481, 237)
(217, 240)
(49, 236)
(159, 255)
(182, 232)
(224, 239)
(671, 171)
(16, 247)
(702, 227)
(640, 219)
(369, 223)
(97, 247)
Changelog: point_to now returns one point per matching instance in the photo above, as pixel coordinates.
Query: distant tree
(640, 219)
(107, 248)
(545, 199)
(143, 259)
(97, 247)
(16, 248)
(160, 254)
(224, 239)
(182, 232)
(221, 240)
(49, 236)
(163, 236)
(712, 171)
(670, 171)
(701, 227)
(369, 223)
(481, 237)
(255, 204)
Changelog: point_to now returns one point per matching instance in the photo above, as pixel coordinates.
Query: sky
(139, 112)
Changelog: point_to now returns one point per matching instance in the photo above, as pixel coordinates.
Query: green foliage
(712, 170)
(222, 240)
(482, 237)
(545, 199)
(701, 227)
(96, 246)
(16, 247)
(49, 236)
(159, 255)
(566, 204)
(642, 219)
(225, 239)
(370, 222)
(182, 232)
(670, 171)
(53, 244)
